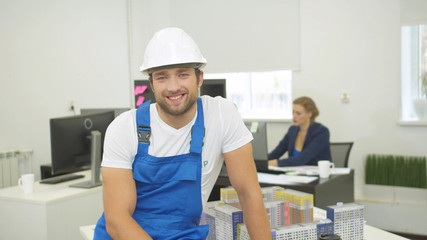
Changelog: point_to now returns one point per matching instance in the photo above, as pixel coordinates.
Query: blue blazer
(316, 147)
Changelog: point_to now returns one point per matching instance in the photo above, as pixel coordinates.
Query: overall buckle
(144, 133)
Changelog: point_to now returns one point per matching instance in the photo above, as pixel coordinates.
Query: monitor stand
(95, 162)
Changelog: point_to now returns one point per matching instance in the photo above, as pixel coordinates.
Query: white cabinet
(51, 212)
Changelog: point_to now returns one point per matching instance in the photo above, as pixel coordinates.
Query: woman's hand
(273, 162)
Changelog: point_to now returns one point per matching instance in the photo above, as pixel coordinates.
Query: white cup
(26, 183)
(325, 168)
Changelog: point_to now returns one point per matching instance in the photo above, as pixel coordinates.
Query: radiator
(14, 163)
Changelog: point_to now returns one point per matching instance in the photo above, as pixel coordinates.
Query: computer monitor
(213, 88)
(76, 143)
(117, 111)
(259, 146)
(259, 143)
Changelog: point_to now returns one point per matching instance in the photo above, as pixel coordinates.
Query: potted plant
(395, 177)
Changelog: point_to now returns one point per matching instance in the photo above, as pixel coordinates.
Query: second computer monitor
(259, 143)
(70, 145)
(117, 111)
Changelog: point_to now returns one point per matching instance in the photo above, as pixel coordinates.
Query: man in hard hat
(162, 160)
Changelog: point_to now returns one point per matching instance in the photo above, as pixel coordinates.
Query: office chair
(340, 153)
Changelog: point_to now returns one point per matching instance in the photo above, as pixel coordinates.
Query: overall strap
(143, 127)
(198, 130)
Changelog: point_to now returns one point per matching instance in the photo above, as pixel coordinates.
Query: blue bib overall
(169, 202)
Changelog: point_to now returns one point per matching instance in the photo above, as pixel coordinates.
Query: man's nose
(173, 84)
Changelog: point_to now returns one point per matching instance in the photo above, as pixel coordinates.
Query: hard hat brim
(181, 65)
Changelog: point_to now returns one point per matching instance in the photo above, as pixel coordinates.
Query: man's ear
(150, 80)
(200, 80)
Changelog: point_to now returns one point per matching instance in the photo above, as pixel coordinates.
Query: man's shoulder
(209, 99)
(216, 103)
(125, 119)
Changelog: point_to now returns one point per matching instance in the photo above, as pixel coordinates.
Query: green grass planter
(392, 170)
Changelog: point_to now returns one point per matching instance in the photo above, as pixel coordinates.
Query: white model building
(348, 220)
(225, 220)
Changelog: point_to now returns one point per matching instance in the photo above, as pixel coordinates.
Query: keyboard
(61, 178)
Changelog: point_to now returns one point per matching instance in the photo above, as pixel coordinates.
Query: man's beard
(191, 99)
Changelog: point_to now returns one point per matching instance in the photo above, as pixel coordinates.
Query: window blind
(242, 35)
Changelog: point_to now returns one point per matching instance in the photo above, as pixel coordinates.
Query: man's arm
(242, 173)
(119, 195)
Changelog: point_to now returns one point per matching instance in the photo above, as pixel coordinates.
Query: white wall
(52, 52)
(148, 17)
(354, 46)
(244, 35)
(78, 51)
(55, 51)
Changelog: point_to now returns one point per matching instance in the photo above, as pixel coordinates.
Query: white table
(51, 212)
(370, 233)
(87, 232)
(373, 233)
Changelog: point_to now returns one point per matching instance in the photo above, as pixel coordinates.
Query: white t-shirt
(224, 132)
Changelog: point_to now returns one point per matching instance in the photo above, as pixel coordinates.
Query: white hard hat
(171, 46)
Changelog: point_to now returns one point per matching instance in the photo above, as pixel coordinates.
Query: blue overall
(169, 202)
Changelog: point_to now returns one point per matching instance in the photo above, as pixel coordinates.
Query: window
(259, 95)
(414, 72)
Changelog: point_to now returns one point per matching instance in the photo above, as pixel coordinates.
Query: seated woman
(306, 141)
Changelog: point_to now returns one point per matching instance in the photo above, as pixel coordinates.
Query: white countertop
(48, 193)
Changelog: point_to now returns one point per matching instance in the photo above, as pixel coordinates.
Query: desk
(50, 212)
(370, 233)
(326, 191)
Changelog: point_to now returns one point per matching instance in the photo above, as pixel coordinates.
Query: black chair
(340, 152)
